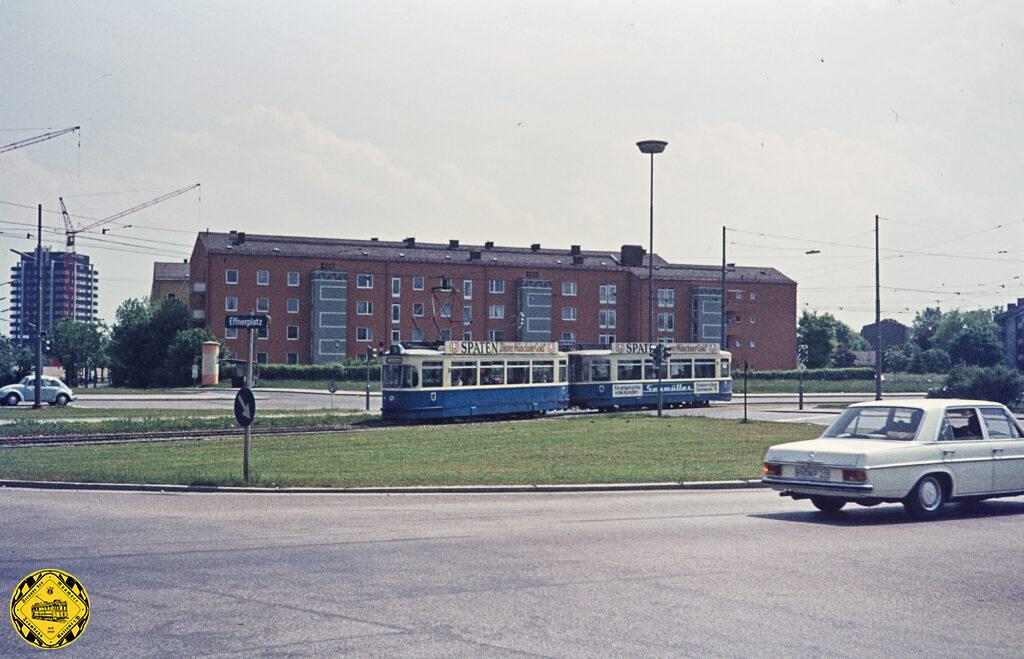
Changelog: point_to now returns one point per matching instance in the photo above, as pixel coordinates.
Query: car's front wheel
(830, 505)
(925, 501)
(61, 400)
(11, 400)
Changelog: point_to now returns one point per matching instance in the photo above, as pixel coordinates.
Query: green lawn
(321, 385)
(588, 449)
(893, 383)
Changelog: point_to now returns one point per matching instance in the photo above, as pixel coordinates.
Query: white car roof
(928, 403)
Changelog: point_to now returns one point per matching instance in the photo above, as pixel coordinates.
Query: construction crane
(38, 138)
(70, 263)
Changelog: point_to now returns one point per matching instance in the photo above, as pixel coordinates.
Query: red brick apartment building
(330, 299)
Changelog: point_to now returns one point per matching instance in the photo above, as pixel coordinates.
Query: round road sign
(245, 407)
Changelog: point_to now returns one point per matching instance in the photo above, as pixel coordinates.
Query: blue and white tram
(473, 378)
(625, 376)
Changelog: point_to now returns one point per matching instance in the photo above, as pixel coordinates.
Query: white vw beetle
(920, 452)
(52, 391)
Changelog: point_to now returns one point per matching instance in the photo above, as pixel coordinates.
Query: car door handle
(997, 450)
(948, 453)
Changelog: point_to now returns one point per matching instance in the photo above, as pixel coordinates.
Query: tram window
(680, 370)
(705, 368)
(725, 368)
(518, 373)
(463, 374)
(578, 370)
(432, 374)
(600, 370)
(393, 376)
(543, 372)
(397, 376)
(410, 377)
(651, 373)
(492, 373)
(630, 369)
(562, 372)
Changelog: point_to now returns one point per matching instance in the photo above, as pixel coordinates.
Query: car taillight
(855, 475)
(772, 469)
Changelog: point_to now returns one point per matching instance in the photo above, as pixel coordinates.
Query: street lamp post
(652, 147)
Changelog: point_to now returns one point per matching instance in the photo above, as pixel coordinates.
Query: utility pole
(650, 267)
(39, 311)
(878, 322)
(248, 383)
(725, 340)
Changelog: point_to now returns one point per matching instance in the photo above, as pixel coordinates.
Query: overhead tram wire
(95, 235)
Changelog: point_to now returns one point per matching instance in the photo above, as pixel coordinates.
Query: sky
(791, 123)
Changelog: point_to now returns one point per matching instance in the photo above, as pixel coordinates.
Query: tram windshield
(401, 376)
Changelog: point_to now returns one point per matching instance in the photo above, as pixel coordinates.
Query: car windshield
(876, 422)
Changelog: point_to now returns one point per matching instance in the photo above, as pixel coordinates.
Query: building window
(446, 310)
(497, 285)
(467, 336)
(263, 277)
(737, 343)
(568, 288)
(396, 286)
(261, 358)
(364, 308)
(467, 314)
(417, 283)
(364, 334)
(753, 344)
(496, 311)
(231, 276)
(665, 339)
(417, 309)
(364, 281)
(231, 333)
(606, 293)
(396, 313)
(606, 339)
(753, 319)
(446, 283)
(171, 296)
(231, 303)
(496, 335)
(293, 358)
(666, 322)
(753, 295)
(666, 298)
(739, 318)
(446, 335)
(262, 333)
(467, 289)
(396, 336)
(568, 337)
(739, 295)
(293, 332)
(293, 305)
(417, 335)
(263, 304)
(293, 279)
(606, 318)
(568, 313)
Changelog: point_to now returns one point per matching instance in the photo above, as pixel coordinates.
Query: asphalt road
(222, 399)
(719, 573)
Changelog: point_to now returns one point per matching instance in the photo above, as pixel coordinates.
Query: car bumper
(819, 487)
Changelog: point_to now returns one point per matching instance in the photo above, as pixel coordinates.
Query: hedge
(858, 373)
(336, 371)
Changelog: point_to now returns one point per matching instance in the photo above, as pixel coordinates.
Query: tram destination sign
(676, 348)
(246, 322)
(500, 347)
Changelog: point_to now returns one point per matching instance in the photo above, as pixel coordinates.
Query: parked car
(922, 453)
(53, 392)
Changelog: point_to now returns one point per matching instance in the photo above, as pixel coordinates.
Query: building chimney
(489, 244)
(453, 244)
(575, 250)
(474, 255)
(631, 256)
(374, 239)
(238, 238)
(410, 242)
(535, 247)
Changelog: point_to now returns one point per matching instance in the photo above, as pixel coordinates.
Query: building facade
(70, 290)
(894, 333)
(1011, 332)
(331, 299)
(170, 282)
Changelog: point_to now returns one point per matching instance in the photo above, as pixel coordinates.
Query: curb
(437, 489)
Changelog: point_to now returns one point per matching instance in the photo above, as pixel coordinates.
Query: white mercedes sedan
(922, 453)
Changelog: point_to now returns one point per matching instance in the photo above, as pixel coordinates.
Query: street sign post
(660, 354)
(332, 387)
(251, 322)
(801, 366)
(745, 371)
(245, 412)
(247, 321)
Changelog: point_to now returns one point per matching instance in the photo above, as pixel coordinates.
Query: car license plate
(812, 473)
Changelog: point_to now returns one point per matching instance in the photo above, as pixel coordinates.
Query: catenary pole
(248, 383)
(39, 311)
(725, 340)
(878, 322)
(650, 267)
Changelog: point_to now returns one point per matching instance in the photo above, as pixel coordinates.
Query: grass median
(589, 449)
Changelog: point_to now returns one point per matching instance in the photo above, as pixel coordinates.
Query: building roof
(176, 271)
(496, 255)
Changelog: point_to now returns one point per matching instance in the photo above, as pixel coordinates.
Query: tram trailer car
(624, 376)
(468, 379)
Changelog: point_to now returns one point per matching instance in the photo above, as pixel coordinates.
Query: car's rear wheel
(830, 505)
(62, 400)
(11, 400)
(925, 501)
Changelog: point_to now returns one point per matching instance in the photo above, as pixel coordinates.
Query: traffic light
(660, 353)
(45, 338)
(801, 353)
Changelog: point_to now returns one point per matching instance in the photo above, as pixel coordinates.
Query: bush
(998, 383)
(933, 360)
(336, 371)
(859, 373)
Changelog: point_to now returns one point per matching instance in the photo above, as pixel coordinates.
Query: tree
(8, 362)
(185, 349)
(976, 346)
(925, 324)
(900, 359)
(817, 332)
(932, 360)
(955, 322)
(999, 383)
(76, 346)
(140, 339)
